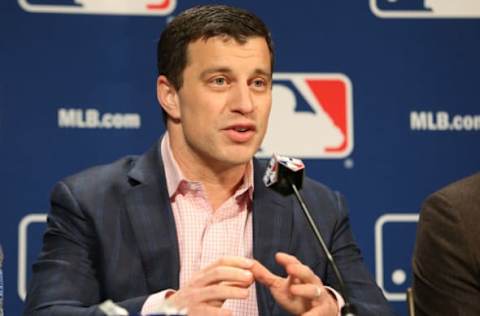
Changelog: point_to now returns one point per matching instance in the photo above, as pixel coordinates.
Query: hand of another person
(301, 293)
(226, 278)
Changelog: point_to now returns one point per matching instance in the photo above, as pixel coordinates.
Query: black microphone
(285, 175)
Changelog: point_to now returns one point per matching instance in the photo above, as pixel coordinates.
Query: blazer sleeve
(330, 212)
(64, 279)
(444, 267)
(361, 288)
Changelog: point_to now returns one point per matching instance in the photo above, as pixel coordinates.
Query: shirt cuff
(155, 302)
(338, 297)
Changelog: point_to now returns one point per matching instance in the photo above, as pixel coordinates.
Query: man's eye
(258, 83)
(219, 81)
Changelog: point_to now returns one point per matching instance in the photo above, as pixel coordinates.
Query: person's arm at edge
(63, 281)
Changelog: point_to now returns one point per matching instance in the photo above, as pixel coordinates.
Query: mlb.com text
(443, 121)
(92, 118)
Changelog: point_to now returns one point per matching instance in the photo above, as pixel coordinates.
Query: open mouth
(240, 133)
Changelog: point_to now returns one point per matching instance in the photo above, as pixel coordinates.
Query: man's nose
(242, 99)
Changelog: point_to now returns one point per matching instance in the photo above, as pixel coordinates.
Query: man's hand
(226, 278)
(301, 293)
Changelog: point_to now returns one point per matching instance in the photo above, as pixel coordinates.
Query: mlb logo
(426, 8)
(394, 242)
(311, 116)
(30, 232)
(114, 7)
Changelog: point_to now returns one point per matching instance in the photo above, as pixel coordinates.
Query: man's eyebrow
(263, 72)
(227, 70)
(213, 70)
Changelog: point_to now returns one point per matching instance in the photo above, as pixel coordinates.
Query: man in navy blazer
(112, 233)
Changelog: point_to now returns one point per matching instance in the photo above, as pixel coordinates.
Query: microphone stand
(348, 309)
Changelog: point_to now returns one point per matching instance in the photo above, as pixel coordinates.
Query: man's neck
(220, 181)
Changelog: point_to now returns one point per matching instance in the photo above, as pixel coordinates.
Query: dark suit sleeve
(363, 292)
(443, 263)
(65, 278)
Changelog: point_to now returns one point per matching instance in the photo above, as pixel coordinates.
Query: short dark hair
(204, 22)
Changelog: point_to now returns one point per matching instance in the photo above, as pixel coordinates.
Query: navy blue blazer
(111, 235)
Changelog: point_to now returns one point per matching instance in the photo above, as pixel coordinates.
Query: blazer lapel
(151, 217)
(272, 231)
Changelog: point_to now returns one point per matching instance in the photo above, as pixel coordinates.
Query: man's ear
(167, 97)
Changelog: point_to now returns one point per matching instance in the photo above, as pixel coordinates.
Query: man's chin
(241, 155)
(235, 158)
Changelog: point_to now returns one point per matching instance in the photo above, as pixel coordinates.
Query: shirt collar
(175, 176)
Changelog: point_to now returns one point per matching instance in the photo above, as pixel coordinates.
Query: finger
(291, 281)
(222, 274)
(220, 293)
(303, 273)
(189, 297)
(308, 291)
(232, 261)
(294, 280)
(285, 259)
(263, 275)
(205, 309)
(295, 268)
(238, 284)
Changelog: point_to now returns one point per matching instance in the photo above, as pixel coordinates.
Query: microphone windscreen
(282, 172)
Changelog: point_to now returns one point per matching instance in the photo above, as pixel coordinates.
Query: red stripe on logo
(332, 96)
(159, 6)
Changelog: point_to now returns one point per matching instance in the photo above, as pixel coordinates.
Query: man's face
(225, 100)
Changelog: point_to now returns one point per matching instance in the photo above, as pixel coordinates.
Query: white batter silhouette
(298, 134)
(457, 7)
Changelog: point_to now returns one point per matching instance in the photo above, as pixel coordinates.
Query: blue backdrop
(381, 98)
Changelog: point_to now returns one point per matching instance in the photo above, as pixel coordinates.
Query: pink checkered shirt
(204, 234)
